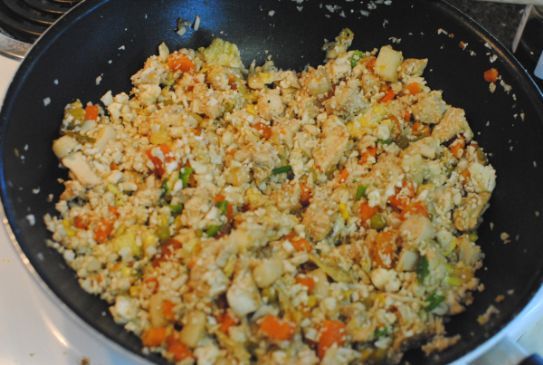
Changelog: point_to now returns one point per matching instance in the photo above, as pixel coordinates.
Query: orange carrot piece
(366, 211)
(276, 329)
(414, 88)
(306, 281)
(177, 349)
(91, 112)
(299, 243)
(103, 230)
(389, 95)
(343, 175)
(263, 129)
(218, 198)
(80, 222)
(383, 248)
(369, 152)
(332, 332)
(226, 320)
(491, 75)
(153, 336)
(167, 309)
(180, 62)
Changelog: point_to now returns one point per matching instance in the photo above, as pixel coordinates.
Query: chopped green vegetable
(360, 192)
(384, 141)
(381, 332)
(164, 189)
(282, 170)
(378, 222)
(185, 174)
(176, 209)
(213, 229)
(222, 205)
(423, 268)
(473, 236)
(357, 56)
(81, 138)
(433, 301)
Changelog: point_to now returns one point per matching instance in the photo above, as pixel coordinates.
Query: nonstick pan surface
(111, 39)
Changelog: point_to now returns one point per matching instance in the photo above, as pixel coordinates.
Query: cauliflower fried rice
(236, 216)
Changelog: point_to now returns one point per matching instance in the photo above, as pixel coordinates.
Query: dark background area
(501, 20)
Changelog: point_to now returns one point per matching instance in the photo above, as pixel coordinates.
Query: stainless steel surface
(13, 48)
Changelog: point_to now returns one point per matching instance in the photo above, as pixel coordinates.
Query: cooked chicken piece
(412, 67)
(317, 220)
(453, 123)
(332, 146)
(466, 215)
(429, 108)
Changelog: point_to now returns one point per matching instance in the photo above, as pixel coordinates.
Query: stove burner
(26, 20)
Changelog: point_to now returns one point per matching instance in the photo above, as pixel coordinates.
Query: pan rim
(515, 319)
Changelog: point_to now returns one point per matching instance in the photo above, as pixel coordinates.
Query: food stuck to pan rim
(234, 215)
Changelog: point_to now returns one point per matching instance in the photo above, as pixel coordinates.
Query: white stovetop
(35, 330)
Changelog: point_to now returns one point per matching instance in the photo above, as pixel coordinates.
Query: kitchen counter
(501, 20)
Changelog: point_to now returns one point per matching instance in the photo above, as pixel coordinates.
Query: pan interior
(111, 39)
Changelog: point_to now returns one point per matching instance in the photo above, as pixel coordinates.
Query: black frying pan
(113, 38)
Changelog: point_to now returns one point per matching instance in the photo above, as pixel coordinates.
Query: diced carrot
(180, 62)
(370, 63)
(276, 329)
(457, 147)
(305, 194)
(332, 332)
(219, 198)
(415, 208)
(389, 95)
(402, 197)
(80, 222)
(491, 75)
(154, 336)
(263, 129)
(383, 248)
(465, 174)
(167, 309)
(367, 154)
(343, 175)
(113, 210)
(299, 243)
(157, 163)
(102, 230)
(113, 166)
(407, 115)
(420, 129)
(366, 211)
(306, 281)
(164, 148)
(414, 88)
(229, 211)
(91, 112)
(177, 349)
(226, 320)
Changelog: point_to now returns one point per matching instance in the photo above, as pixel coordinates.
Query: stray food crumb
(485, 317)
(511, 292)
(36, 190)
(55, 81)
(536, 213)
(504, 236)
(492, 87)
(534, 163)
(31, 219)
(499, 298)
(196, 25)
(46, 101)
(491, 226)
(99, 79)
(121, 48)
(442, 31)
(462, 45)
(440, 343)
(271, 13)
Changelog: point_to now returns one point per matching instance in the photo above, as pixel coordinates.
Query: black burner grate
(25, 20)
